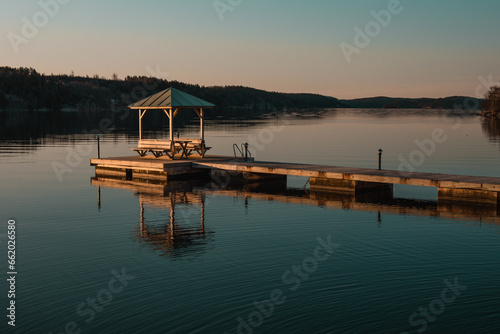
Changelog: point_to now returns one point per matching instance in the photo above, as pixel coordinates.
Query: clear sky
(431, 48)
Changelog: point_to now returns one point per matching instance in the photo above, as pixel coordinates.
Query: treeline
(26, 89)
(453, 102)
(491, 103)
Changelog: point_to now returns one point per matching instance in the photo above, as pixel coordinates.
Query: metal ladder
(244, 152)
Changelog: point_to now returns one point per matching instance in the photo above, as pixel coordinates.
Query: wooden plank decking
(150, 167)
(149, 162)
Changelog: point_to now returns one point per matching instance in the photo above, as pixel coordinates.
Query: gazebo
(171, 101)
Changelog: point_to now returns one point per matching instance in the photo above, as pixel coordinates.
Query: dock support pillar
(253, 181)
(264, 182)
(348, 186)
(469, 196)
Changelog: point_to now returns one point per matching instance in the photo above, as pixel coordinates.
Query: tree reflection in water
(491, 127)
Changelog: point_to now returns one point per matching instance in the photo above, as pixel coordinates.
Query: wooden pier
(457, 188)
(351, 179)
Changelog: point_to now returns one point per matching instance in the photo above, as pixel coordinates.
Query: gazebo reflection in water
(180, 233)
(184, 233)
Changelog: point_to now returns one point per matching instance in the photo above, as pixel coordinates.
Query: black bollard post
(98, 147)
(246, 151)
(380, 158)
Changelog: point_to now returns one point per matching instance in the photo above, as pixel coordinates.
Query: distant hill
(26, 89)
(420, 103)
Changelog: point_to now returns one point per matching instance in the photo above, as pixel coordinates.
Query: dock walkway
(478, 189)
(358, 174)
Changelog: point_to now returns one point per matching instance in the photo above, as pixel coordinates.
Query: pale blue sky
(431, 48)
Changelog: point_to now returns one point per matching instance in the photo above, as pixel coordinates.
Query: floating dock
(456, 188)
(151, 168)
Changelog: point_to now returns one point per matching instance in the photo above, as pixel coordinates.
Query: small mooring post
(246, 151)
(380, 158)
(98, 146)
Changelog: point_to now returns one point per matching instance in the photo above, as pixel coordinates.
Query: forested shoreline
(26, 89)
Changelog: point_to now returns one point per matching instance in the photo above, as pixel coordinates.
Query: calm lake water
(122, 257)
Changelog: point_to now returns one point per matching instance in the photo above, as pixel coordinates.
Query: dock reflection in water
(375, 202)
(183, 232)
(185, 201)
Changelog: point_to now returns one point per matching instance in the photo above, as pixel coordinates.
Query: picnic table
(159, 147)
(184, 143)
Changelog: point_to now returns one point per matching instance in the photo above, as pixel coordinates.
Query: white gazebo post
(171, 124)
(171, 129)
(202, 132)
(141, 114)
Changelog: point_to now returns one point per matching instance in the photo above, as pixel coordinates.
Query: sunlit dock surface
(151, 168)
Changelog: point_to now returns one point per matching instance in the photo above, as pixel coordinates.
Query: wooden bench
(156, 146)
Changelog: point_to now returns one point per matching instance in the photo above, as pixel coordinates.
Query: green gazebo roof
(171, 98)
